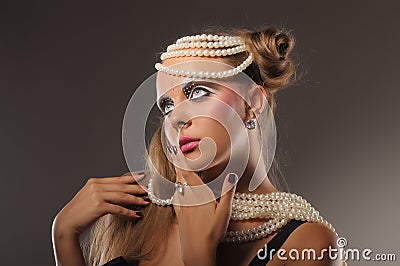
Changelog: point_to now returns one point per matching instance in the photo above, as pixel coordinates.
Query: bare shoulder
(313, 243)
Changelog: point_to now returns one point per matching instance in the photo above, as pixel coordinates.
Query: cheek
(170, 133)
(215, 128)
(212, 128)
(232, 100)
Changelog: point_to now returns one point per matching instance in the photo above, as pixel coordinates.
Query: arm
(67, 250)
(98, 197)
(317, 237)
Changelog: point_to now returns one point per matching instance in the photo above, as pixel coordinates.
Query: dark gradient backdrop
(68, 69)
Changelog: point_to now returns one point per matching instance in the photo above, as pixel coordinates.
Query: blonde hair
(112, 236)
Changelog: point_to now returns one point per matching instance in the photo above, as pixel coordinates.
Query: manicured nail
(175, 149)
(146, 199)
(140, 214)
(169, 149)
(232, 178)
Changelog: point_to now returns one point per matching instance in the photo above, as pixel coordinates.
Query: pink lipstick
(187, 143)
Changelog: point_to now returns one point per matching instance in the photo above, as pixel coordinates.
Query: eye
(198, 91)
(166, 106)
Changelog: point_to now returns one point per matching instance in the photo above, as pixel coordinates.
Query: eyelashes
(198, 92)
(164, 104)
(192, 93)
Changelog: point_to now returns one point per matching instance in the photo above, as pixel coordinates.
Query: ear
(258, 99)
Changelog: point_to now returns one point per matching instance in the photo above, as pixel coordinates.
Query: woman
(215, 93)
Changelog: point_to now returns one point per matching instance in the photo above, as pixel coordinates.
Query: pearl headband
(207, 46)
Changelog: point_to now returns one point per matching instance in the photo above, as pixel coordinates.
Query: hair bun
(271, 49)
(282, 47)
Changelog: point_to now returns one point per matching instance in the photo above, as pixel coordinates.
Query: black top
(119, 261)
(275, 243)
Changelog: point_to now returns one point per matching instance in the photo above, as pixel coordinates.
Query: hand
(99, 196)
(202, 227)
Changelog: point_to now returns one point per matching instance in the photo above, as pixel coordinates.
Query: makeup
(189, 146)
(187, 143)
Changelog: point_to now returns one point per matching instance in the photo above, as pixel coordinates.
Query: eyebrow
(186, 82)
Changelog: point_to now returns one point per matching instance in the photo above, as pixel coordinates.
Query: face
(197, 110)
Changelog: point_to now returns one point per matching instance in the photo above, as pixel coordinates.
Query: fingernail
(146, 199)
(140, 214)
(232, 178)
(169, 149)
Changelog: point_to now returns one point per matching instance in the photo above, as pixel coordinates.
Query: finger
(123, 198)
(224, 207)
(181, 189)
(126, 179)
(137, 176)
(121, 211)
(178, 196)
(190, 177)
(176, 204)
(186, 195)
(127, 188)
(134, 173)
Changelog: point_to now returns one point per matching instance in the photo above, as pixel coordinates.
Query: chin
(194, 154)
(200, 165)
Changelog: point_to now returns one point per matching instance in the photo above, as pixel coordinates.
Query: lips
(187, 143)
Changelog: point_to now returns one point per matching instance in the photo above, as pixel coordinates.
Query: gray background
(68, 69)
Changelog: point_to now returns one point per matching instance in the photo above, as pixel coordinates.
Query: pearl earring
(251, 124)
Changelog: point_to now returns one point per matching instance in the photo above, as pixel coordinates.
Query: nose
(179, 122)
(179, 117)
(179, 125)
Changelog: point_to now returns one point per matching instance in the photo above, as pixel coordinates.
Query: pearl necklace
(205, 74)
(279, 206)
(212, 42)
(246, 206)
(205, 45)
(212, 53)
(204, 37)
(154, 199)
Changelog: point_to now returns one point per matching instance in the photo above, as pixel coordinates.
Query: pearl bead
(280, 207)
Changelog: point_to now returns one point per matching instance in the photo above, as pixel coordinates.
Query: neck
(257, 174)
